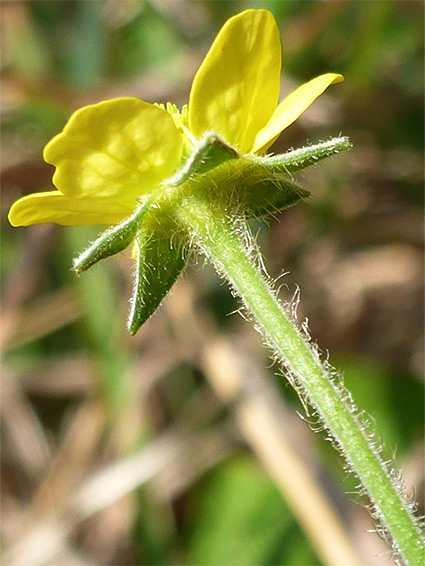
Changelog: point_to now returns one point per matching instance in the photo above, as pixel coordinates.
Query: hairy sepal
(297, 159)
(258, 186)
(266, 193)
(113, 240)
(247, 185)
(210, 152)
(160, 260)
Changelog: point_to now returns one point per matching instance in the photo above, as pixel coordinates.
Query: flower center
(180, 118)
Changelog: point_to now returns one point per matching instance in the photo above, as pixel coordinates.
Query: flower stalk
(223, 241)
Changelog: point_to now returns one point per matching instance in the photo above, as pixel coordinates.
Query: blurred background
(183, 445)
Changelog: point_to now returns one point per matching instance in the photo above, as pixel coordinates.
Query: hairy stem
(225, 244)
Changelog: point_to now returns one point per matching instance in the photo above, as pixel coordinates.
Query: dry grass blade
(46, 539)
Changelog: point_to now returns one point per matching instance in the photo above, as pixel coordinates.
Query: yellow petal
(119, 148)
(236, 89)
(291, 108)
(53, 206)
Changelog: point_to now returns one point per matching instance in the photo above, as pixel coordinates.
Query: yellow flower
(112, 153)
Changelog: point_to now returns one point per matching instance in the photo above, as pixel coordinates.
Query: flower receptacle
(238, 185)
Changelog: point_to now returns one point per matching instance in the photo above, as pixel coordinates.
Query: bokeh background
(183, 445)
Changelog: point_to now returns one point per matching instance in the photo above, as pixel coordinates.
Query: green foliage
(395, 401)
(239, 517)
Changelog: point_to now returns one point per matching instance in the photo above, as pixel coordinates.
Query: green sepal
(270, 193)
(297, 159)
(209, 152)
(113, 240)
(270, 187)
(160, 260)
(248, 185)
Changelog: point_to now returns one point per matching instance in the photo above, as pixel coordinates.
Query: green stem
(225, 244)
